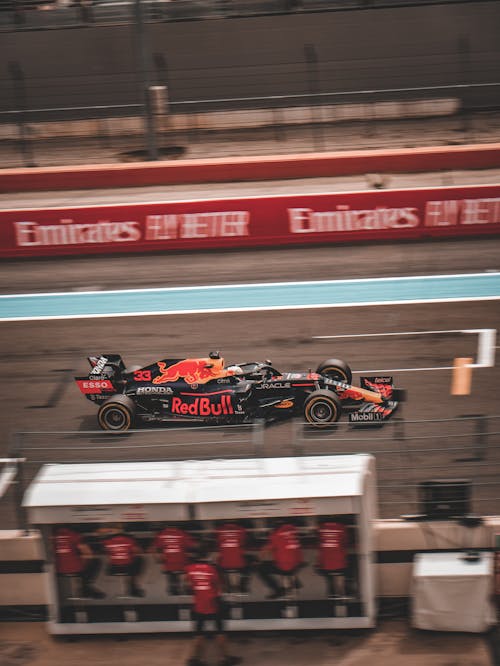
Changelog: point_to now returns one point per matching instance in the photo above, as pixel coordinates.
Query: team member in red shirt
(204, 580)
(124, 557)
(172, 545)
(332, 554)
(282, 555)
(74, 557)
(232, 539)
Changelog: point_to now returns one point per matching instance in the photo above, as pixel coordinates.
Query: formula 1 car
(203, 389)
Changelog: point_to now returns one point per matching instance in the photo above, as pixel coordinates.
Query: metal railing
(247, 126)
(408, 453)
(293, 102)
(33, 14)
(411, 452)
(73, 447)
(423, 94)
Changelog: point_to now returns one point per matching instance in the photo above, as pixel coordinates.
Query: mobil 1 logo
(360, 418)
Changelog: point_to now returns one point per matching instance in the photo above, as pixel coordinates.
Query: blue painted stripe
(330, 293)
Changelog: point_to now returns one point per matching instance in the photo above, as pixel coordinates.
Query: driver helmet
(234, 369)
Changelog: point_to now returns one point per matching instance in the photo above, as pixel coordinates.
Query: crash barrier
(480, 156)
(252, 221)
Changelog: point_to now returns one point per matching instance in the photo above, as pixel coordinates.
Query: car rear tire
(322, 408)
(334, 368)
(117, 413)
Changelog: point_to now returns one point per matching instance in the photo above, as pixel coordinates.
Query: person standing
(204, 581)
(232, 539)
(74, 557)
(281, 555)
(124, 557)
(332, 555)
(172, 545)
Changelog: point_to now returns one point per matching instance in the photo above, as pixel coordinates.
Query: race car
(204, 389)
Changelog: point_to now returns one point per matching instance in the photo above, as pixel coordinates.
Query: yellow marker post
(461, 379)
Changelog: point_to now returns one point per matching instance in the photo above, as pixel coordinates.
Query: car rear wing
(104, 377)
(105, 363)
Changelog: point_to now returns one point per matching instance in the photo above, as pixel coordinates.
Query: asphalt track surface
(39, 359)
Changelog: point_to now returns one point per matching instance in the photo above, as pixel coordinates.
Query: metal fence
(67, 447)
(204, 129)
(37, 14)
(129, 86)
(409, 454)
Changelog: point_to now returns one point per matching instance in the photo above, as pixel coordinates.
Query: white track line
(485, 348)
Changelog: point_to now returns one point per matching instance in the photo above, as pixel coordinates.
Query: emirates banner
(252, 221)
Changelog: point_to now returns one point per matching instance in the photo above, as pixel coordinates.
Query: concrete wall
(367, 49)
(22, 582)
(396, 543)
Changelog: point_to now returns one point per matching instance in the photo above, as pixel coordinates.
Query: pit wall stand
(143, 496)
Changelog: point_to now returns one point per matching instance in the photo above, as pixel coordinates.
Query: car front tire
(322, 408)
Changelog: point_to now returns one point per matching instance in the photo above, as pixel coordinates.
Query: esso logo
(102, 384)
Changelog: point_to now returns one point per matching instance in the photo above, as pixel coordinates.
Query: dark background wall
(433, 45)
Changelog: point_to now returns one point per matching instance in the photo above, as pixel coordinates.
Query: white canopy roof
(183, 483)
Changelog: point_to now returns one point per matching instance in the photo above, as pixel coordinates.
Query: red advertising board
(253, 221)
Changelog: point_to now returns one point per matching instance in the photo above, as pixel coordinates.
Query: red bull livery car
(204, 389)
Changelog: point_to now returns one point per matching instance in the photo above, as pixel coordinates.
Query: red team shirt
(332, 552)
(121, 550)
(231, 540)
(67, 554)
(205, 584)
(173, 544)
(285, 547)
